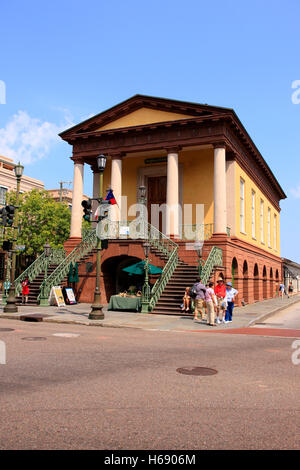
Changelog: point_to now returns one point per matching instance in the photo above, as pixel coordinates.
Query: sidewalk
(78, 314)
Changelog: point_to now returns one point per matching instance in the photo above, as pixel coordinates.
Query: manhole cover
(196, 371)
(6, 329)
(35, 338)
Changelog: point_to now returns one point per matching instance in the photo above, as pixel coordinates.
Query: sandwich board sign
(56, 297)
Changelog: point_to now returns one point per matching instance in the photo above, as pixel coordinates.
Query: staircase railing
(55, 278)
(215, 258)
(168, 248)
(38, 266)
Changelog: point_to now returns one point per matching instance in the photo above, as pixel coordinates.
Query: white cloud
(28, 139)
(295, 192)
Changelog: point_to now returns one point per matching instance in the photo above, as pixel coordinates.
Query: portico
(193, 160)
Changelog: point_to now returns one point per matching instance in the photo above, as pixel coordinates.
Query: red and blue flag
(110, 197)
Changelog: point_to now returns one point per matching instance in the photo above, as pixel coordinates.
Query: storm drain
(35, 338)
(196, 371)
(6, 329)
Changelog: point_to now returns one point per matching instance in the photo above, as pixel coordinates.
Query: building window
(3, 192)
(242, 205)
(275, 231)
(262, 221)
(269, 226)
(253, 214)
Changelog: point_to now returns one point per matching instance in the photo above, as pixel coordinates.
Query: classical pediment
(143, 116)
(142, 110)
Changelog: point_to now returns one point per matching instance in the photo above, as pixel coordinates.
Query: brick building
(188, 156)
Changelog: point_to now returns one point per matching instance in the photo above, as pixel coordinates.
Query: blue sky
(62, 61)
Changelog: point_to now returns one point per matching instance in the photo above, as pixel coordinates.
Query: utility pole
(61, 183)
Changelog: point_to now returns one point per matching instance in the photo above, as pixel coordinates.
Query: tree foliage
(40, 219)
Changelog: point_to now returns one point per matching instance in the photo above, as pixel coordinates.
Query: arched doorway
(245, 282)
(115, 279)
(271, 283)
(265, 283)
(277, 283)
(234, 272)
(256, 283)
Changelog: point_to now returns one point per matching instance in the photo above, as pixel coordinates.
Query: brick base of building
(255, 273)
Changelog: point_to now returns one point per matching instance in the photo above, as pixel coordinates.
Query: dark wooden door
(157, 191)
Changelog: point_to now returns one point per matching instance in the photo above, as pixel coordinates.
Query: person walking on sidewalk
(220, 292)
(230, 296)
(282, 290)
(210, 300)
(200, 290)
(25, 290)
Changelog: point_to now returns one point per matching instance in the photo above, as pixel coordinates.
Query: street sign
(20, 247)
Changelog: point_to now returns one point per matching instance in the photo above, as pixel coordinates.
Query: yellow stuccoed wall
(197, 179)
(259, 195)
(142, 117)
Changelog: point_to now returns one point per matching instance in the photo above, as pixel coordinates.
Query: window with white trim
(242, 205)
(275, 231)
(253, 213)
(3, 192)
(262, 221)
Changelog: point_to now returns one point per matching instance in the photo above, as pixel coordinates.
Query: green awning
(139, 269)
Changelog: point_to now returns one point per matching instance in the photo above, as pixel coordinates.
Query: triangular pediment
(141, 117)
(142, 110)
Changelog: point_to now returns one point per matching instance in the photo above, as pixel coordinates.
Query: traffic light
(104, 244)
(87, 209)
(3, 216)
(7, 245)
(10, 211)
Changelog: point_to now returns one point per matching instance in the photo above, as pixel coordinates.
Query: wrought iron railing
(168, 248)
(215, 258)
(199, 231)
(55, 278)
(56, 257)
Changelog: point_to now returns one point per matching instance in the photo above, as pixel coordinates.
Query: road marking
(66, 335)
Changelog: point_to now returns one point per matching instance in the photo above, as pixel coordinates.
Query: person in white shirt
(230, 296)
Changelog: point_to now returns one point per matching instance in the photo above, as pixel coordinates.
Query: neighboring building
(291, 274)
(63, 195)
(8, 183)
(8, 180)
(184, 154)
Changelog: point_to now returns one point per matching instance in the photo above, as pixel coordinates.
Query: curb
(270, 314)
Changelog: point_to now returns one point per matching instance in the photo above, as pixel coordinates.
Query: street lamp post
(96, 308)
(198, 248)
(11, 306)
(146, 291)
(47, 251)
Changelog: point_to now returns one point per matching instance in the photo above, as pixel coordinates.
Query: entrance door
(157, 193)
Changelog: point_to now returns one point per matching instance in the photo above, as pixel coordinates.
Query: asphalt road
(118, 388)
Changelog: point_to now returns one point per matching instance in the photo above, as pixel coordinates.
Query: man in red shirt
(220, 292)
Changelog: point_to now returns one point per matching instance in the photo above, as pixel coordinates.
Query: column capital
(172, 149)
(117, 155)
(77, 159)
(220, 145)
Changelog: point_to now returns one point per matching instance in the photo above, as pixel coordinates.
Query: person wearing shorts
(220, 292)
(200, 298)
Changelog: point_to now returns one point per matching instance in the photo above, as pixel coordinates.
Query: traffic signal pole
(97, 312)
(11, 306)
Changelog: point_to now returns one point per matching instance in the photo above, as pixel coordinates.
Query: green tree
(41, 218)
